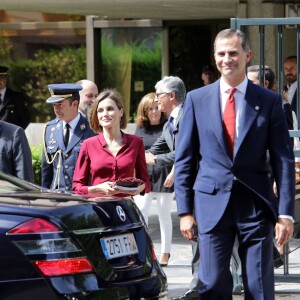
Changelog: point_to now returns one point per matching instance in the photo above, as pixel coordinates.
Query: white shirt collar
(73, 123)
(175, 111)
(242, 87)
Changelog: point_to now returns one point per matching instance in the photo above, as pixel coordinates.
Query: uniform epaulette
(52, 122)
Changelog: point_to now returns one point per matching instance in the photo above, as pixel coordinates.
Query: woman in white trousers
(150, 121)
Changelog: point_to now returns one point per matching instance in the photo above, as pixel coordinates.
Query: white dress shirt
(72, 124)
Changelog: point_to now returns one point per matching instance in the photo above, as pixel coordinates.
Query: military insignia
(82, 126)
(52, 129)
(58, 126)
(51, 91)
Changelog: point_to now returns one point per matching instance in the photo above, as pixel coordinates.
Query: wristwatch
(297, 170)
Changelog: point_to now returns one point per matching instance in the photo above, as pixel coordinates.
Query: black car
(59, 246)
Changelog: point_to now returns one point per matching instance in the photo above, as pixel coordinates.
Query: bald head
(88, 94)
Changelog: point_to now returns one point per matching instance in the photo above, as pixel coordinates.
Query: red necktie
(229, 120)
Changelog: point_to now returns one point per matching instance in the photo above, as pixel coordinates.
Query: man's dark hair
(269, 74)
(230, 32)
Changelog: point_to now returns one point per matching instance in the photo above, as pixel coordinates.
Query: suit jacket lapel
(252, 108)
(5, 99)
(78, 132)
(58, 135)
(213, 114)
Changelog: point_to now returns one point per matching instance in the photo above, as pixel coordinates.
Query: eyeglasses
(160, 95)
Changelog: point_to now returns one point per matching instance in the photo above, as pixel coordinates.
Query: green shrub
(32, 76)
(36, 152)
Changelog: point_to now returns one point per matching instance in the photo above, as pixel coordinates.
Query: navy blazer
(204, 171)
(53, 141)
(15, 155)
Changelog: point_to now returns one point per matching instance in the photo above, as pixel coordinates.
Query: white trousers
(164, 207)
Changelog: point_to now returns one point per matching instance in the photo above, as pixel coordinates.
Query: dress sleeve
(82, 171)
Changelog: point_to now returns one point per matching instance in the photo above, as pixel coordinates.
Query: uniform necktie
(171, 125)
(67, 135)
(229, 120)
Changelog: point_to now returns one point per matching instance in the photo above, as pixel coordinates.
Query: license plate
(119, 245)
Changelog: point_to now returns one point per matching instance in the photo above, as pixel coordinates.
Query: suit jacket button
(66, 155)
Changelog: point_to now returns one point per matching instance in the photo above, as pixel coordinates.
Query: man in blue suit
(170, 94)
(15, 155)
(63, 137)
(225, 178)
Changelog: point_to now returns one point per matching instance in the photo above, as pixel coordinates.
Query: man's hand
(149, 158)
(188, 227)
(284, 230)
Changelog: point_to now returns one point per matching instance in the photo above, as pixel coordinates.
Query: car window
(10, 183)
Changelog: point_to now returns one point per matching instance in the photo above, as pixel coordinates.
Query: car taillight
(41, 237)
(64, 266)
(35, 225)
(153, 253)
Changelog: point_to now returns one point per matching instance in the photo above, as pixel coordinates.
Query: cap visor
(54, 100)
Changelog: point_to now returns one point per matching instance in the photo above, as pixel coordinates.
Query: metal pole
(280, 59)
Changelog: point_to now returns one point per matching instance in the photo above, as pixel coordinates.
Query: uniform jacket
(204, 171)
(13, 109)
(164, 147)
(54, 144)
(15, 155)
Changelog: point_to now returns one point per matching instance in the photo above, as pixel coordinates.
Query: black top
(157, 173)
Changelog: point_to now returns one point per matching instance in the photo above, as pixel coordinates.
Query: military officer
(63, 137)
(13, 105)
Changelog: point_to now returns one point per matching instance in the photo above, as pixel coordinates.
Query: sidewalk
(179, 271)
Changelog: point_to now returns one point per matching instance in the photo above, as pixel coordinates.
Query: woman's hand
(103, 188)
(170, 179)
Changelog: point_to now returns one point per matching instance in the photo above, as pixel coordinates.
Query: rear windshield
(10, 184)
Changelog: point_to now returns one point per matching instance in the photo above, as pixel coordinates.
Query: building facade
(129, 45)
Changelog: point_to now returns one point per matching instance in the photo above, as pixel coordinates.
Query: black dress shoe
(189, 295)
(164, 265)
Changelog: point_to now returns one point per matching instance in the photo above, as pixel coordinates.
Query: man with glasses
(170, 95)
(87, 95)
